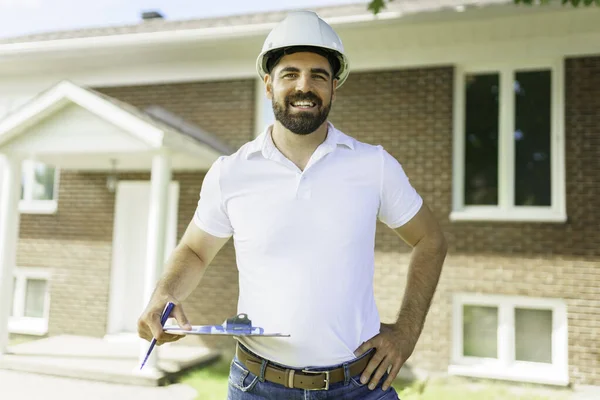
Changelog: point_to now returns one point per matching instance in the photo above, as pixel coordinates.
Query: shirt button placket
(303, 189)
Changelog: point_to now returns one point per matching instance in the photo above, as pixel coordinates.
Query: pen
(163, 320)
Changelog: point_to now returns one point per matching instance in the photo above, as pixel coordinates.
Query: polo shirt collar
(264, 142)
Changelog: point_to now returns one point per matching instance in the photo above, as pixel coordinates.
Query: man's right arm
(206, 234)
(183, 272)
(188, 262)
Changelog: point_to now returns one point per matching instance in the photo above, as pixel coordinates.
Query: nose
(303, 84)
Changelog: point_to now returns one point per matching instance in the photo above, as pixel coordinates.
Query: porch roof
(73, 127)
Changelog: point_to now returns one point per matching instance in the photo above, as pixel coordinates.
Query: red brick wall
(223, 108)
(409, 112)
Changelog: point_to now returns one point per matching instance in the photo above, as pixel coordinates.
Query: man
(301, 202)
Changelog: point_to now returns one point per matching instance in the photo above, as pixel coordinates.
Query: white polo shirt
(304, 241)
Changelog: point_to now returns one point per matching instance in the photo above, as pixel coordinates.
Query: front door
(132, 205)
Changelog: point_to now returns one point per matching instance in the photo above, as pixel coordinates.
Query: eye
(290, 75)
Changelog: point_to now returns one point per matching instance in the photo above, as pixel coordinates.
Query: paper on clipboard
(239, 325)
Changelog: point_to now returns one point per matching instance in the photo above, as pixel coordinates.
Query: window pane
(44, 182)
(34, 298)
(533, 335)
(480, 331)
(532, 138)
(481, 139)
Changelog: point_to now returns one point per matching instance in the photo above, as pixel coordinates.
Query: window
(39, 188)
(509, 144)
(513, 338)
(31, 302)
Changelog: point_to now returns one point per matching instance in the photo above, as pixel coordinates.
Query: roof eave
(174, 36)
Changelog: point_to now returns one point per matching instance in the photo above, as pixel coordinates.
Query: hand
(149, 325)
(393, 348)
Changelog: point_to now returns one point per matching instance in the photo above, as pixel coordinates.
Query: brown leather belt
(300, 379)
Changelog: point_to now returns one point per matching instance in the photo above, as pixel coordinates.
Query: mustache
(309, 96)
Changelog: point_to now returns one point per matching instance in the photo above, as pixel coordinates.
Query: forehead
(303, 60)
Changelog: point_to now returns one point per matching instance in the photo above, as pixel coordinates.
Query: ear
(268, 86)
(334, 89)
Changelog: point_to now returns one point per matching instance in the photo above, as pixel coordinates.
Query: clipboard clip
(240, 323)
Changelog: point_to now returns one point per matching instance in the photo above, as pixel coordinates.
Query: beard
(301, 122)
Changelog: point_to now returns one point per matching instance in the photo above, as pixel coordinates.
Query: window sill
(522, 372)
(28, 326)
(518, 214)
(38, 207)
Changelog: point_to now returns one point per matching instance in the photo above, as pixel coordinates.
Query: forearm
(183, 272)
(423, 276)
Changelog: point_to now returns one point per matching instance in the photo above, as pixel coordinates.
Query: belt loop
(263, 368)
(346, 374)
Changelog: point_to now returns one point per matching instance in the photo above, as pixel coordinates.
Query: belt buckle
(318, 373)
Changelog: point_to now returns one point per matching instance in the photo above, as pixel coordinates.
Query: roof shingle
(404, 6)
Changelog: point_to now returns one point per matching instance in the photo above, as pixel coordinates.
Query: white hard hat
(304, 29)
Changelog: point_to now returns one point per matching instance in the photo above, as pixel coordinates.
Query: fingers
(372, 366)
(366, 346)
(393, 374)
(168, 338)
(150, 327)
(384, 359)
(180, 317)
(379, 372)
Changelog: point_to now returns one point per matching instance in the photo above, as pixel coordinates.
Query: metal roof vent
(151, 15)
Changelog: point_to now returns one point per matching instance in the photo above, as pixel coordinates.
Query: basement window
(31, 302)
(511, 338)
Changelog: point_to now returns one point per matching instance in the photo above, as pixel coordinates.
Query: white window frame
(28, 325)
(505, 367)
(505, 210)
(29, 206)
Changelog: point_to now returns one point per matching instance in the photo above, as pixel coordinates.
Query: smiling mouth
(303, 105)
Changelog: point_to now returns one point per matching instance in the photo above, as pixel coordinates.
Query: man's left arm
(396, 342)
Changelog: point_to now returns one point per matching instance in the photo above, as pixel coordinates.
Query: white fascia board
(172, 36)
(66, 92)
(37, 108)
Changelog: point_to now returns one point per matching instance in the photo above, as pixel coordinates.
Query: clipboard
(240, 325)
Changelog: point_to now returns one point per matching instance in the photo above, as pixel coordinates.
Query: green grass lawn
(211, 384)
(18, 339)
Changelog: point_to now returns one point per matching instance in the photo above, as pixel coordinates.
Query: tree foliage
(377, 5)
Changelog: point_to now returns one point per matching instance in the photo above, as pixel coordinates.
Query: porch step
(98, 360)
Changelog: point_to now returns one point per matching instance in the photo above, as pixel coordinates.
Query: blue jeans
(244, 385)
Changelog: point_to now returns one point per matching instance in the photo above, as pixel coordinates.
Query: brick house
(492, 109)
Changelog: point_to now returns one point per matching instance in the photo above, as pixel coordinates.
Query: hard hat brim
(342, 75)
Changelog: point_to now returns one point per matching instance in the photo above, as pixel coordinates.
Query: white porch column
(263, 109)
(10, 193)
(156, 237)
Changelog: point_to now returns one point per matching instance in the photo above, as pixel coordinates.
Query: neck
(298, 148)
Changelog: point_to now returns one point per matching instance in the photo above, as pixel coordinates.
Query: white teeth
(303, 104)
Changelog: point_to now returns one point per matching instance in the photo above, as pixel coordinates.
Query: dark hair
(275, 56)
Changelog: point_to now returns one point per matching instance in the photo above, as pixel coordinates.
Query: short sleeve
(211, 215)
(399, 201)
